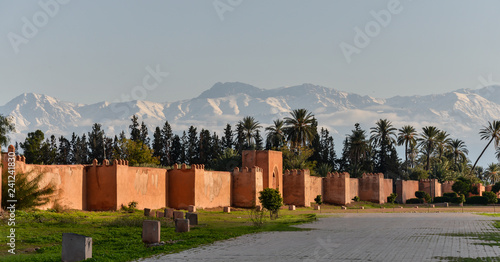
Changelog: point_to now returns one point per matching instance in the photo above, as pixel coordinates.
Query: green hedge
(442, 199)
(450, 195)
(414, 201)
(477, 200)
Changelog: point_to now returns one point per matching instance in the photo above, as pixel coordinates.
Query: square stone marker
(76, 247)
(151, 231)
(181, 225)
(160, 214)
(191, 209)
(193, 218)
(227, 209)
(169, 212)
(147, 212)
(178, 214)
(291, 207)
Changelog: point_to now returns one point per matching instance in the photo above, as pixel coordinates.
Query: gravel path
(356, 237)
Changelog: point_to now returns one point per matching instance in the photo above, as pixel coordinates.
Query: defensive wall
(111, 184)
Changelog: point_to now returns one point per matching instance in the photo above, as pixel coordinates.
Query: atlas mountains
(462, 113)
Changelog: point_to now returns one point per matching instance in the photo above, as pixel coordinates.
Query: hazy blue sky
(90, 51)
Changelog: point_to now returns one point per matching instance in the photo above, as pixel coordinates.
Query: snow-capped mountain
(462, 113)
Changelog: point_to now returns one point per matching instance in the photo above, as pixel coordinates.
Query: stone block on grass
(227, 209)
(160, 214)
(151, 231)
(191, 209)
(169, 212)
(178, 214)
(181, 225)
(147, 212)
(193, 218)
(317, 207)
(291, 207)
(76, 247)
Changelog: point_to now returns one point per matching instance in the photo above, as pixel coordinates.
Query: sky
(91, 51)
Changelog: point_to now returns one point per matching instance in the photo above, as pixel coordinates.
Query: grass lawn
(117, 235)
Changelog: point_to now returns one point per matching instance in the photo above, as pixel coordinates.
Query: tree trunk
(474, 166)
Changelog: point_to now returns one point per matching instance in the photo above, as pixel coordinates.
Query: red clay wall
(446, 187)
(68, 180)
(315, 189)
(101, 187)
(271, 163)
(146, 186)
(294, 187)
(374, 188)
(246, 186)
(213, 188)
(354, 188)
(336, 189)
(430, 186)
(406, 190)
(181, 185)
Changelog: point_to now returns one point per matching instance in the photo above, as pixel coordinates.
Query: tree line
(430, 153)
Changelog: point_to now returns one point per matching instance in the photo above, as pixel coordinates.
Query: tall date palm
(299, 127)
(427, 141)
(407, 136)
(491, 132)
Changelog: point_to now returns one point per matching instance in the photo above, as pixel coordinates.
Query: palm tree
(427, 141)
(300, 127)
(441, 142)
(407, 136)
(276, 134)
(491, 132)
(249, 125)
(458, 149)
(493, 173)
(383, 135)
(359, 149)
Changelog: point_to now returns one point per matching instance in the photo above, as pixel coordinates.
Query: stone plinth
(169, 212)
(160, 214)
(193, 218)
(76, 247)
(317, 207)
(227, 209)
(147, 212)
(181, 225)
(191, 209)
(151, 231)
(291, 207)
(178, 215)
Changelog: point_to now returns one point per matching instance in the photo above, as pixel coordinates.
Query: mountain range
(462, 112)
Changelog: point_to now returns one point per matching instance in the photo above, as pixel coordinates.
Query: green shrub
(392, 197)
(420, 194)
(462, 188)
(442, 199)
(450, 195)
(271, 200)
(414, 201)
(492, 197)
(27, 190)
(318, 200)
(496, 187)
(356, 199)
(477, 200)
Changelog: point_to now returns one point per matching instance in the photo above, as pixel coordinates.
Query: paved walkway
(356, 237)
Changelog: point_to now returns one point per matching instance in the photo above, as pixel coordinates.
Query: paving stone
(357, 237)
